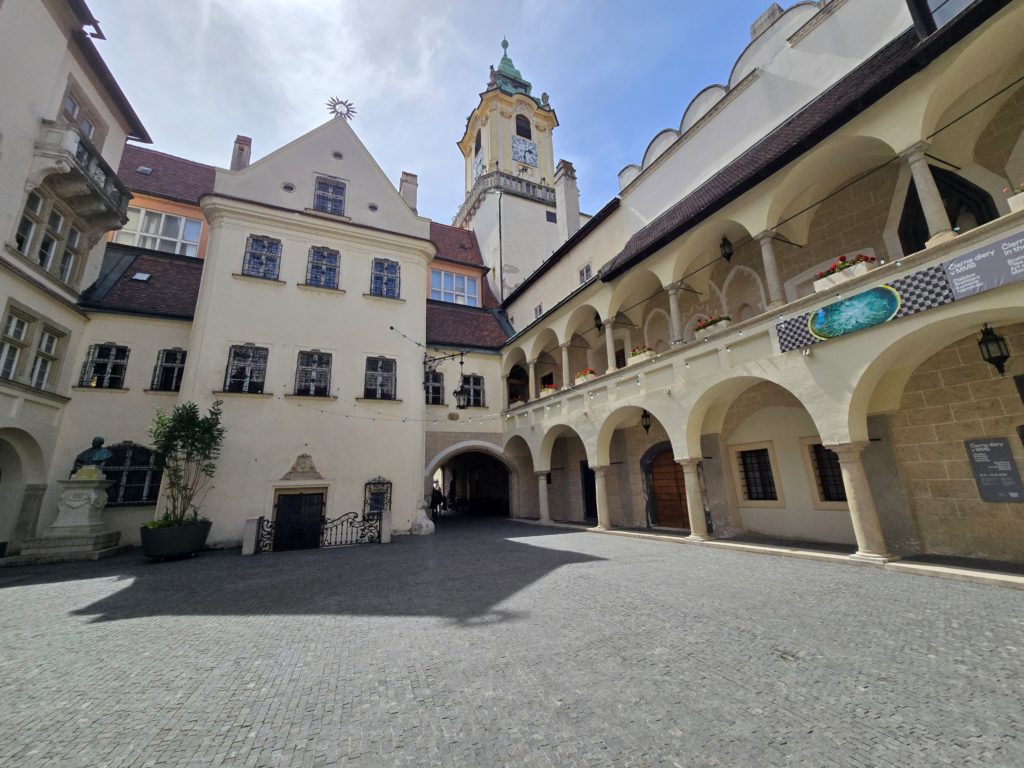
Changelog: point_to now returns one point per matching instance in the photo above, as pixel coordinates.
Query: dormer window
(329, 196)
(523, 127)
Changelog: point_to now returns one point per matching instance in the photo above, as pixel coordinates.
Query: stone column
(776, 295)
(939, 228)
(676, 315)
(533, 381)
(866, 524)
(609, 345)
(542, 496)
(694, 499)
(601, 496)
(504, 384)
(567, 377)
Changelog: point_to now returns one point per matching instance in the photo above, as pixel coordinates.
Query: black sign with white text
(994, 470)
(988, 267)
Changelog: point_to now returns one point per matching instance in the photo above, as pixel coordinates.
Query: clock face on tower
(478, 165)
(524, 151)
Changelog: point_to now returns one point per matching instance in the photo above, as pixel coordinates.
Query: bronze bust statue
(95, 455)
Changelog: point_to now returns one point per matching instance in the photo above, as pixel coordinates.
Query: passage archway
(22, 485)
(476, 481)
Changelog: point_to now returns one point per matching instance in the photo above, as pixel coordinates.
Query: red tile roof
(461, 246)
(173, 177)
(170, 290)
(459, 326)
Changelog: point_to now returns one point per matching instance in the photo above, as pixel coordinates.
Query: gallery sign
(988, 267)
(995, 471)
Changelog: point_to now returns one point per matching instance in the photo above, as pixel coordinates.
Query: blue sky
(199, 72)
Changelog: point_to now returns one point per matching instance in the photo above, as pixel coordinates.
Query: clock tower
(510, 176)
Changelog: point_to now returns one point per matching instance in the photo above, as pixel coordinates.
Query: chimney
(765, 20)
(567, 200)
(921, 13)
(240, 153)
(407, 189)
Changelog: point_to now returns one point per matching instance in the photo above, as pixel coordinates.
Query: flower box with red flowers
(844, 268)
(711, 325)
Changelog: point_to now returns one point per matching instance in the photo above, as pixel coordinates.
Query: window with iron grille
(552, 217)
(135, 473)
(262, 257)
(170, 365)
(475, 386)
(827, 473)
(380, 380)
(313, 374)
(104, 366)
(433, 384)
(756, 475)
(323, 267)
(247, 369)
(329, 196)
(385, 279)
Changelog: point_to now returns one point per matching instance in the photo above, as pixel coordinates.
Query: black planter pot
(175, 541)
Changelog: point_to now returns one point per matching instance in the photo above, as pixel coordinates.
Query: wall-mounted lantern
(645, 421)
(994, 350)
(726, 248)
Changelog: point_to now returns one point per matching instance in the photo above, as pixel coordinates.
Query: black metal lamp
(462, 393)
(645, 421)
(993, 349)
(726, 248)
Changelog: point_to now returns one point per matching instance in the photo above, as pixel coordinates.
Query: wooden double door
(667, 505)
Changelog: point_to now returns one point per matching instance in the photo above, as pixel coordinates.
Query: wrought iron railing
(57, 139)
(350, 528)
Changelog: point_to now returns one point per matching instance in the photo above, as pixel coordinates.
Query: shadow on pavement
(461, 573)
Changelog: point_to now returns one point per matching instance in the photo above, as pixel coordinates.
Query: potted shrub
(189, 445)
(711, 324)
(638, 353)
(1016, 197)
(547, 389)
(843, 269)
(585, 375)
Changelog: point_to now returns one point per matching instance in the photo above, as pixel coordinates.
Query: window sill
(378, 400)
(325, 288)
(101, 389)
(311, 397)
(257, 278)
(385, 298)
(328, 215)
(29, 389)
(243, 394)
(162, 391)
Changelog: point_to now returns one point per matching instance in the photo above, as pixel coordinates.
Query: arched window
(135, 472)
(967, 206)
(523, 127)
(476, 144)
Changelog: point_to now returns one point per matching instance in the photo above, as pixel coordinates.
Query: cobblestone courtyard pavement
(497, 643)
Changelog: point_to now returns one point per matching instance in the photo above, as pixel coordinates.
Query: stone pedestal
(422, 525)
(78, 533)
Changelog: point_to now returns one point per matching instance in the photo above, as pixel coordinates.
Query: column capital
(851, 450)
(915, 151)
(599, 469)
(542, 472)
(533, 362)
(673, 288)
(767, 236)
(688, 462)
(565, 344)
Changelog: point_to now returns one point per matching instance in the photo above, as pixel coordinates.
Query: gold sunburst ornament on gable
(341, 108)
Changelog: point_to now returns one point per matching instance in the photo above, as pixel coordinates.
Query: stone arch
(487, 448)
(624, 415)
(547, 444)
(22, 485)
(751, 294)
(514, 356)
(658, 330)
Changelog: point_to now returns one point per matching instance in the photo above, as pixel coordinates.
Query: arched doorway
(21, 488)
(665, 488)
(476, 479)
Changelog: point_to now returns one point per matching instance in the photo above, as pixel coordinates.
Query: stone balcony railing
(505, 183)
(85, 181)
(766, 335)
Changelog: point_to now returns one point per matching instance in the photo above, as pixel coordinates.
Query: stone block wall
(952, 397)
(1001, 135)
